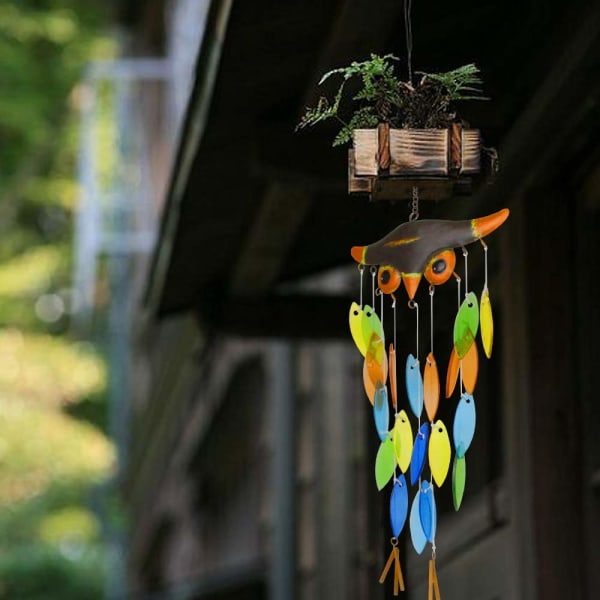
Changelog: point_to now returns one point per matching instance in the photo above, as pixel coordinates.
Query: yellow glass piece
(452, 374)
(486, 323)
(439, 452)
(370, 325)
(393, 383)
(355, 319)
(431, 387)
(470, 368)
(403, 440)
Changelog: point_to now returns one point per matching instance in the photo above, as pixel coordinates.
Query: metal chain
(414, 215)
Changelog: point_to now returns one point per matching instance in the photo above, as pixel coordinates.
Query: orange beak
(485, 225)
(411, 283)
(358, 254)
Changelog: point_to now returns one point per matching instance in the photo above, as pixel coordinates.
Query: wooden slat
(471, 151)
(383, 136)
(357, 185)
(419, 151)
(366, 151)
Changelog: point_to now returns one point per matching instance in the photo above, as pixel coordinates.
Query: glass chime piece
(419, 452)
(398, 506)
(459, 477)
(431, 387)
(414, 385)
(466, 324)
(419, 540)
(439, 452)
(452, 374)
(355, 318)
(381, 411)
(487, 322)
(375, 349)
(403, 440)
(464, 424)
(393, 383)
(427, 510)
(368, 384)
(470, 368)
(385, 463)
(371, 325)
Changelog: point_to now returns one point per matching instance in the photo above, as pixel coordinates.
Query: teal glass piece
(385, 463)
(464, 424)
(416, 529)
(381, 411)
(459, 478)
(414, 385)
(398, 506)
(427, 510)
(419, 453)
(466, 325)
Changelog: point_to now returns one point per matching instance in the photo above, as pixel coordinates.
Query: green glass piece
(459, 477)
(466, 325)
(385, 463)
(371, 325)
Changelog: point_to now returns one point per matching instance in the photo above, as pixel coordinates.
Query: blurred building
(251, 451)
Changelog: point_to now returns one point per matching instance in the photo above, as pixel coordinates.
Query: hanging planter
(402, 134)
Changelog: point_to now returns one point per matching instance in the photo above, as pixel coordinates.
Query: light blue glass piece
(464, 424)
(398, 506)
(381, 411)
(419, 453)
(414, 385)
(427, 510)
(416, 529)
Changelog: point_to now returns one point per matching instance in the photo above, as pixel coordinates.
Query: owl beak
(411, 283)
(485, 225)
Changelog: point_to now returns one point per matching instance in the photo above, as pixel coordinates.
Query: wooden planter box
(417, 152)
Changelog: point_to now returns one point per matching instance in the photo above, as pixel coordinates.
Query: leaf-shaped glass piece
(403, 441)
(377, 367)
(368, 384)
(385, 463)
(439, 452)
(431, 387)
(470, 368)
(414, 385)
(466, 324)
(398, 506)
(417, 535)
(381, 411)
(375, 348)
(459, 477)
(419, 452)
(355, 319)
(371, 325)
(487, 322)
(427, 510)
(464, 424)
(392, 373)
(452, 374)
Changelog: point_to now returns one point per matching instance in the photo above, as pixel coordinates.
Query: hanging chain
(414, 214)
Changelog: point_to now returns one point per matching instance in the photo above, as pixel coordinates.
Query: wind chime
(421, 460)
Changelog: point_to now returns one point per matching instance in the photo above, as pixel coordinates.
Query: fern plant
(383, 97)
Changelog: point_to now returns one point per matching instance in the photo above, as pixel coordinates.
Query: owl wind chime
(422, 457)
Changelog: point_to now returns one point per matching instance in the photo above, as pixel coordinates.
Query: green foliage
(383, 98)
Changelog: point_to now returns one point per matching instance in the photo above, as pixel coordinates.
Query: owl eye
(388, 279)
(440, 267)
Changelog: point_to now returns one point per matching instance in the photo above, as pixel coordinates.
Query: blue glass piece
(464, 424)
(398, 505)
(381, 411)
(427, 510)
(416, 529)
(419, 453)
(414, 385)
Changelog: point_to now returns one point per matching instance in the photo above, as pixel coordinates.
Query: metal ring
(373, 270)
(394, 541)
(412, 304)
(431, 289)
(361, 267)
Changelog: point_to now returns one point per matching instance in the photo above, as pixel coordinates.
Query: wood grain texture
(419, 151)
(471, 151)
(383, 135)
(366, 146)
(455, 148)
(357, 185)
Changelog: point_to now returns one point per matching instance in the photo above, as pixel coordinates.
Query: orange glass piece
(392, 373)
(452, 373)
(368, 384)
(470, 368)
(431, 387)
(378, 371)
